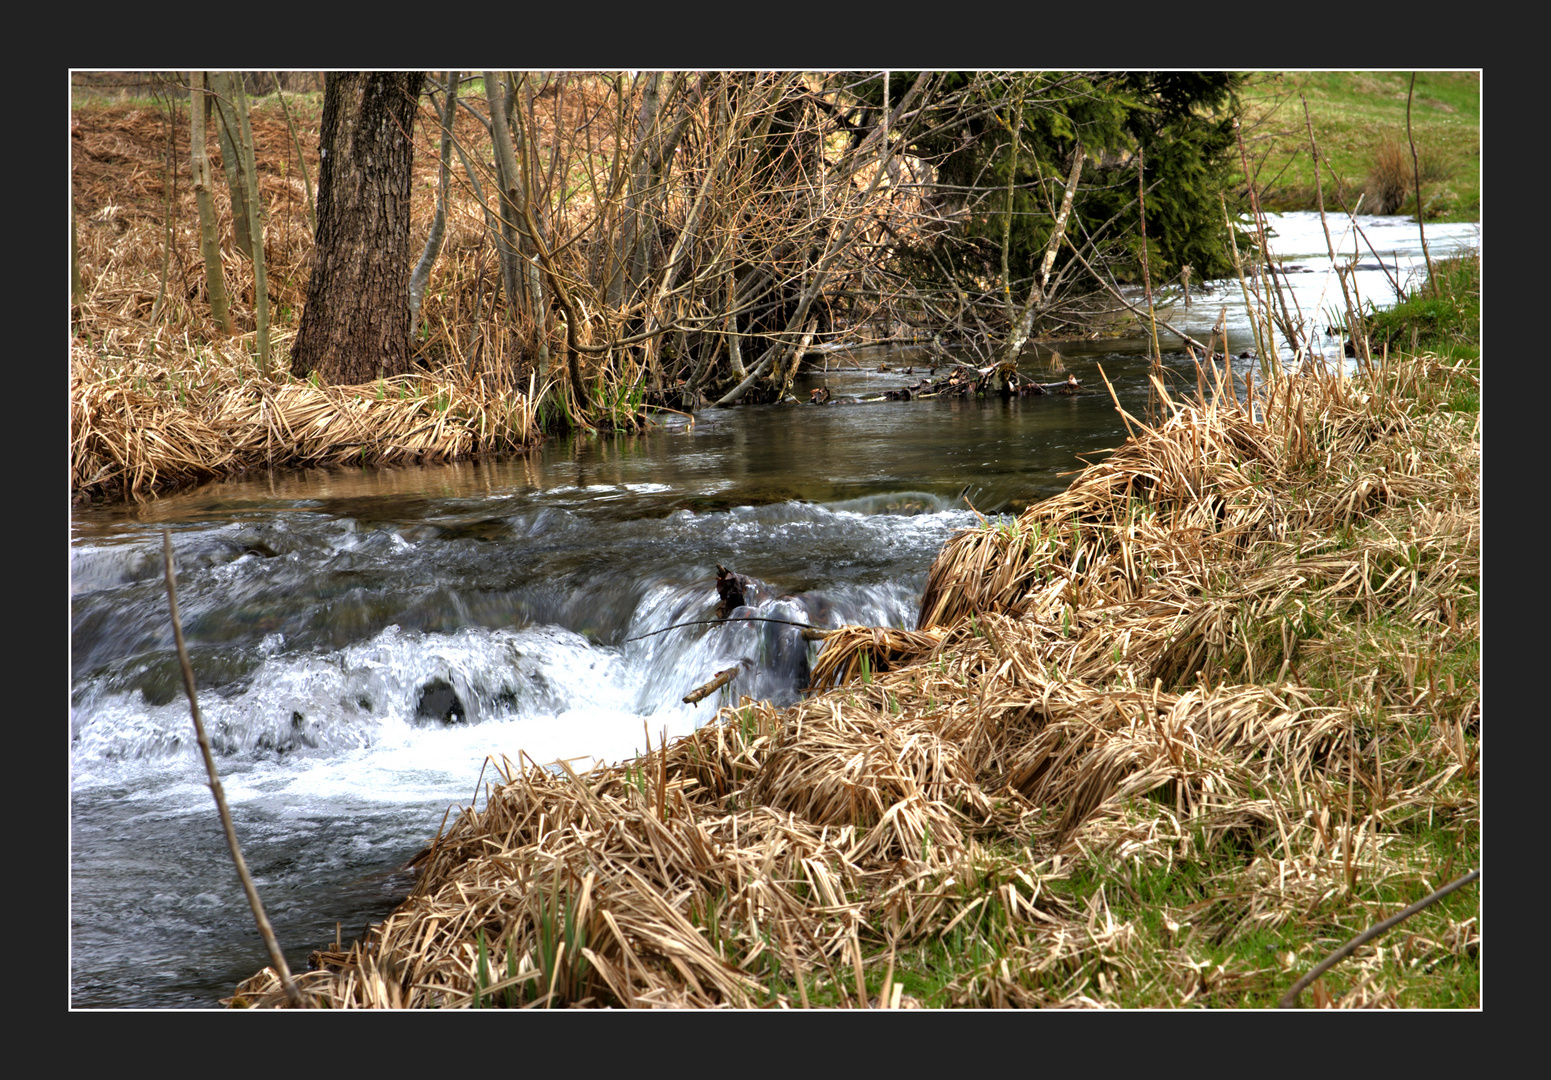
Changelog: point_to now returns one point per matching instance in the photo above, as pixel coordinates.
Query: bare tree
(683, 238)
(255, 220)
(209, 238)
(508, 185)
(224, 85)
(433, 243)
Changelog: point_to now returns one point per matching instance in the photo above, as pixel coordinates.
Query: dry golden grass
(160, 397)
(138, 427)
(1120, 682)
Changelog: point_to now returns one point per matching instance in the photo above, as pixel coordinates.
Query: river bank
(151, 413)
(1167, 738)
(147, 425)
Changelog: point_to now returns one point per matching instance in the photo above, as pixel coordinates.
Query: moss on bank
(1442, 315)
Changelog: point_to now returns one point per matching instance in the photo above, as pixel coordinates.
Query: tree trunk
(77, 293)
(631, 238)
(1023, 326)
(168, 177)
(209, 236)
(355, 326)
(508, 179)
(528, 139)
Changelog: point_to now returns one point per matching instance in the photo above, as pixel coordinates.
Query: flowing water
(365, 640)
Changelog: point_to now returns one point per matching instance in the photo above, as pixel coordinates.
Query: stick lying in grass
(276, 957)
(1290, 998)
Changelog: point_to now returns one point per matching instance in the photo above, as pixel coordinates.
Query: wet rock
(439, 701)
(732, 591)
(482, 529)
(301, 733)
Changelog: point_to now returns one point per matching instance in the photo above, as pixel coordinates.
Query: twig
(714, 622)
(719, 680)
(1288, 330)
(1186, 338)
(1393, 280)
(1141, 203)
(276, 957)
(1290, 998)
(1416, 177)
(1319, 191)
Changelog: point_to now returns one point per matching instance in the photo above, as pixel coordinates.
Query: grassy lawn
(1359, 120)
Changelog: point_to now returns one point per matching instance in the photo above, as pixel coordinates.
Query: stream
(365, 641)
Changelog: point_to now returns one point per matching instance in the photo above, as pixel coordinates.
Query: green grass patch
(1441, 315)
(1359, 120)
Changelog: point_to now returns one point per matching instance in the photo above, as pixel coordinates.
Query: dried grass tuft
(141, 427)
(161, 397)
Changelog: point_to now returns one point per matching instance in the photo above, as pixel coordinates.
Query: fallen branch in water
(818, 632)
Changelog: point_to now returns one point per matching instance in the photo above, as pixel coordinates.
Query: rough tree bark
(355, 326)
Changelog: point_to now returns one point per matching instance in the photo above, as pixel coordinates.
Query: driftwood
(719, 680)
(965, 381)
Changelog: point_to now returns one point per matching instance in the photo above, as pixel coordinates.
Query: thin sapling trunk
(209, 236)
